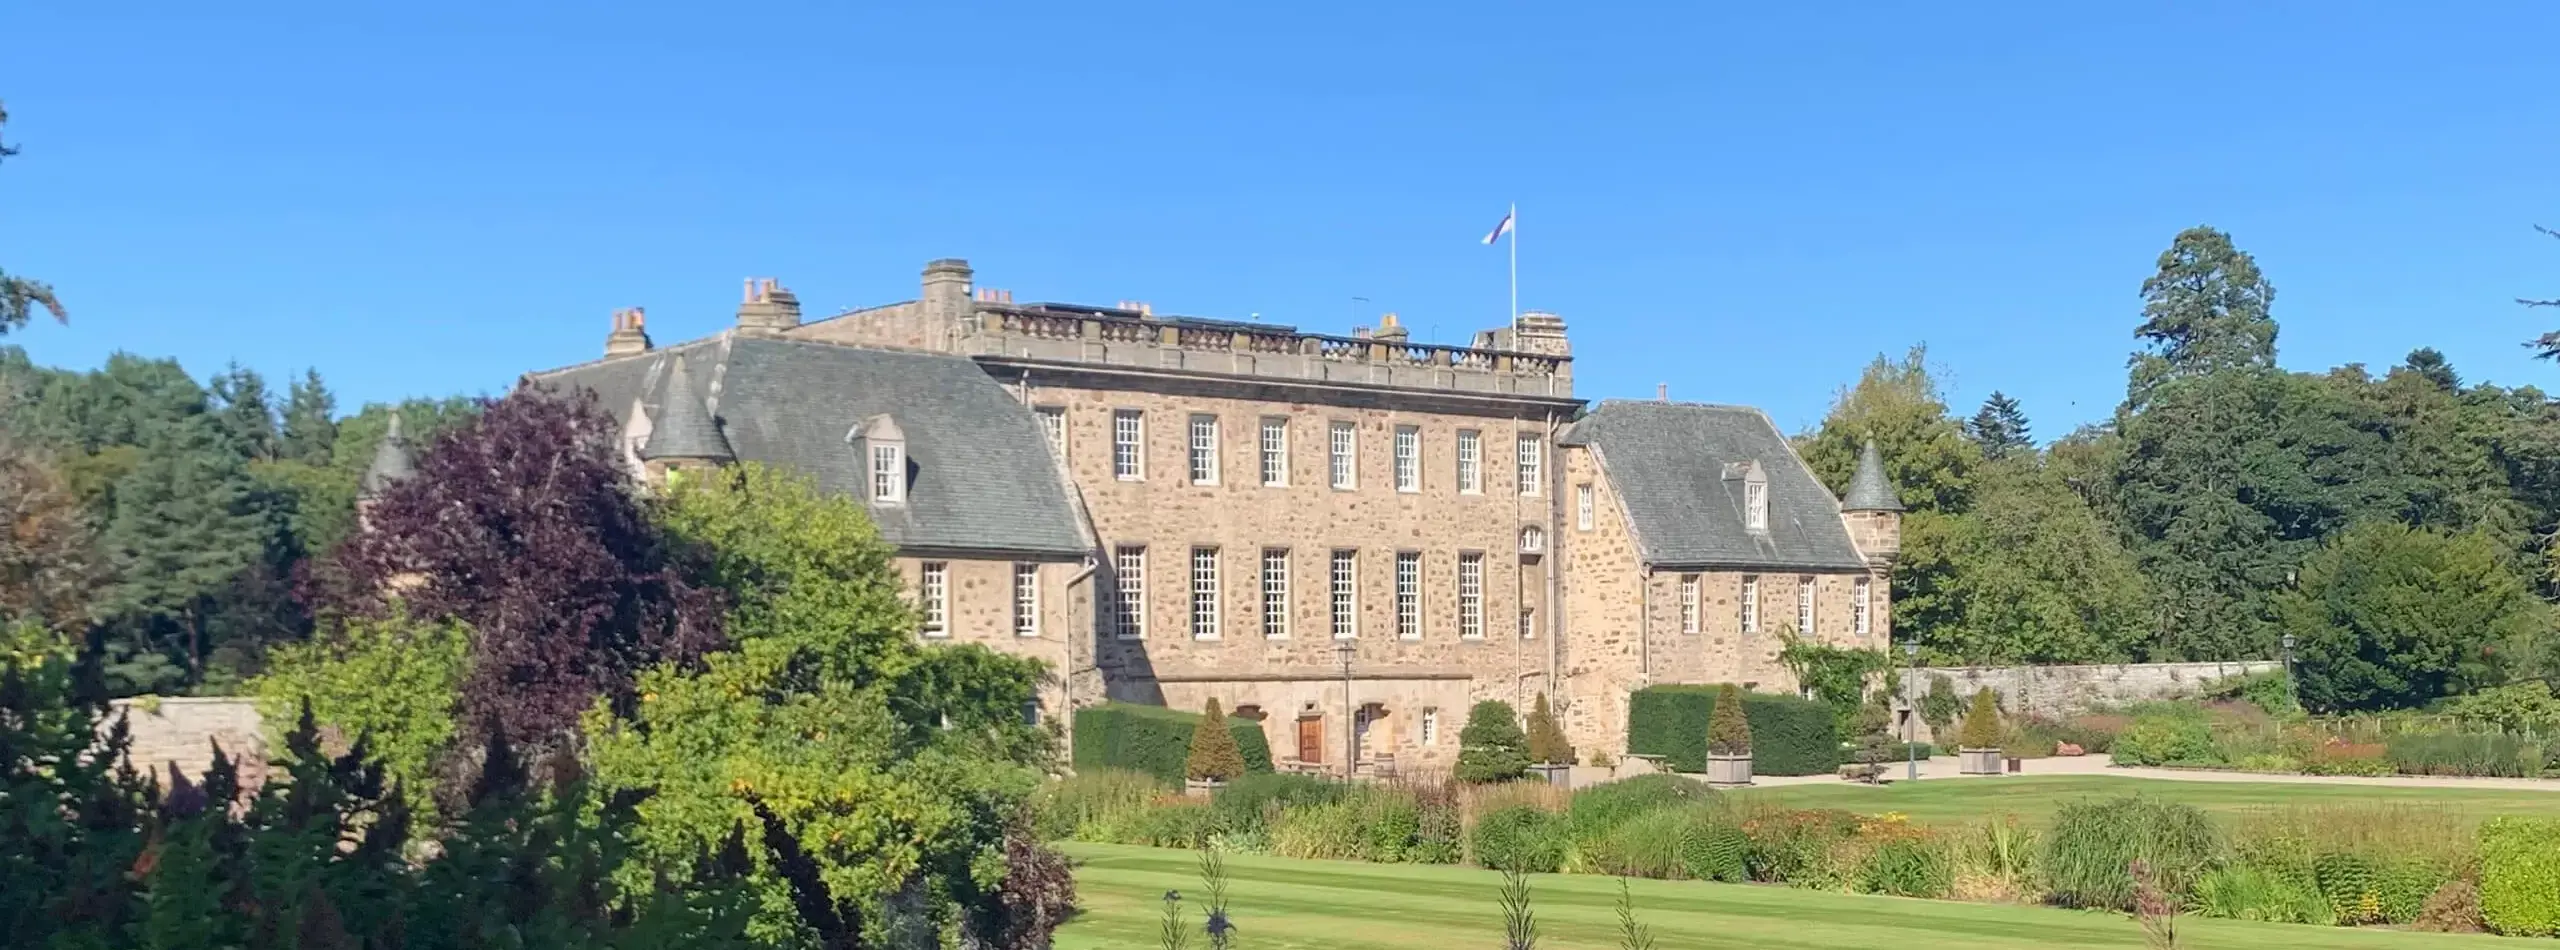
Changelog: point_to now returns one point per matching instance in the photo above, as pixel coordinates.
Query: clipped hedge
(2520, 876)
(1789, 735)
(1155, 740)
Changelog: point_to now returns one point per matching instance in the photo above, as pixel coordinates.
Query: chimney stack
(946, 299)
(629, 335)
(768, 309)
(1390, 331)
(1541, 333)
(1662, 392)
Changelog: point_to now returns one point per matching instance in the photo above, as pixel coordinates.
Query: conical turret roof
(684, 428)
(391, 463)
(1869, 490)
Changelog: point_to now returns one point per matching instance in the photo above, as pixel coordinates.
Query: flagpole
(1515, 275)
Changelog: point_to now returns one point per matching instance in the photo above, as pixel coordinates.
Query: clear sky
(430, 198)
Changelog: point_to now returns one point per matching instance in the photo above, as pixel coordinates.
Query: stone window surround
(1689, 607)
(1470, 462)
(1053, 423)
(1275, 593)
(1204, 593)
(1749, 603)
(1129, 444)
(1471, 602)
(1805, 605)
(1129, 589)
(1343, 576)
(1530, 455)
(1583, 504)
(1026, 599)
(1861, 607)
(1342, 454)
(1202, 437)
(1275, 452)
(933, 591)
(1408, 458)
(1408, 592)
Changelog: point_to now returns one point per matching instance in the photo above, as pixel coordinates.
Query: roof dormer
(883, 449)
(1755, 493)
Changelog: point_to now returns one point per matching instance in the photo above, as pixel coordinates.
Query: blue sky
(1744, 204)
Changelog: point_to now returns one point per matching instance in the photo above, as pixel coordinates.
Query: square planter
(1201, 788)
(1979, 761)
(1560, 776)
(1728, 770)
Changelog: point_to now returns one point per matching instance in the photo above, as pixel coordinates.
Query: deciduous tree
(2389, 616)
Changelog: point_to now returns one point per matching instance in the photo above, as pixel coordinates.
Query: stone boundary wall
(2060, 691)
(184, 729)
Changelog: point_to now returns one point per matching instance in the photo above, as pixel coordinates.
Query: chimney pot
(1662, 392)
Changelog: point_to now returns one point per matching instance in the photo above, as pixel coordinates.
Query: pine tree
(246, 413)
(1214, 755)
(1547, 744)
(188, 526)
(2207, 309)
(310, 424)
(2000, 428)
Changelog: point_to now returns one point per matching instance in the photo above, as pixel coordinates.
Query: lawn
(2034, 798)
(1329, 905)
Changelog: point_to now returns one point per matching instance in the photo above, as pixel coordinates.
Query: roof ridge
(1683, 404)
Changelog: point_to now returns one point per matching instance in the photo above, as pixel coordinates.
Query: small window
(1026, 600)
(1533, 455)
(1053, 423)
(1275, 593)
(1582, 507)
(1528, 624)
(1470, 462)
(1430, 726)
(1755, 502)
(1471, 596)
(1128, 444)
(1343, 439)
(1804, 606)
(1750, 603)
(1408, 459)
(1204, 593)
(1204, 450)
(937, 599)
(1030, 712)
(1533, 540)
(1408, 595)
(1129, 582)
(888, 473)
(1275, 452)
(1346, 594)
(1688, 603)
(1861, 612)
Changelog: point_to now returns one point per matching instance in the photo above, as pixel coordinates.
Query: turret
(946, 303)
(391, 466)
(683, 434)
(1872, 510)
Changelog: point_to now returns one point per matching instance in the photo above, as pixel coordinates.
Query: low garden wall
(183, 730)
(2060, 692)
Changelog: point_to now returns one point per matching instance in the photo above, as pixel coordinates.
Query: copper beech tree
(523, 525)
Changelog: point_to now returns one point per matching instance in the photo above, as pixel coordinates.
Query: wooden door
(1311, 740)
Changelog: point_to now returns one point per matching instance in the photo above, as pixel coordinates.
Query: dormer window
(884, 448)
(1755, 502)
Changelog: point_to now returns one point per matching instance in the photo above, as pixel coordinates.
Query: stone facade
(183, 731)
(1201, 459)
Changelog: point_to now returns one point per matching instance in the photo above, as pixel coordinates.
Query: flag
(1500, 229)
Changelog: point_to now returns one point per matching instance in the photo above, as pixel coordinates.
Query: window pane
(1053, 423)
(1470, 466)
(1409, 595)
(1408, 458)
(1688, 603)
(1275, 451)
(1128, 435)
(1582, 506)
(1204, 593)
(1750, 604)
(1204, 449)
(937, 599)
(1346, 595)
(1471, 596)
(1275, 593)
(1532, 454)
(1342, 439)
(1129, 619)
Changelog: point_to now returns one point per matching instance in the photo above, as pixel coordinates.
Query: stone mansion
(1351, 539)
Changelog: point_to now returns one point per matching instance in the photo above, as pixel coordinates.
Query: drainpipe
(1555, 551)
(1067, 682)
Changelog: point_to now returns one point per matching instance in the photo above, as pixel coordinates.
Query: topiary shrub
(1491, 748)
(1155, 740)
(2094, 842)
(1982, 722)
(2520, 876)
(1729, 728)
(1789, 735)
(1547, 744)
(1518, 838)
(1214, 755)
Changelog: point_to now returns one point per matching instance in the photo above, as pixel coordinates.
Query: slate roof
(1869, 490)
(1669, 463)
(983, 476)
(682, 428)
(391, 462)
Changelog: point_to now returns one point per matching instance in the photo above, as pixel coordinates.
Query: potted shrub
(1550, 753)
(1215, 760)
(1978, 744)
(1728, 740)
(1491, 747)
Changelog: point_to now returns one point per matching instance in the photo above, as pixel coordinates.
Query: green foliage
(2520, 876)
(1982, 722)
(390, 682)
(1245, 809)
(1645, 845)
(1999, 428)
(2029, 573)
(1789, 735)
(1547, 744)
(2271, 691)
(2206, 310)
(1155, 740)
(1897, 403)
(1595, 810)
(2388, 616)
(1491, 748)
(1908, 864)
(1714, 848)
(1836, 676)
(1519, 837)
(1728, 727)
(2526, 706)
(1942, 705)
(2093, 842)
(2465, 754)
(1800, 848)
(1214, 755)
(1092, 805)
(2168, 736)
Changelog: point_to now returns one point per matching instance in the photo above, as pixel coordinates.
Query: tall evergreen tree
(2000, 428)
(189, 526)
(310, 421)
(20, 296)
(2206, 309)
(246, 414)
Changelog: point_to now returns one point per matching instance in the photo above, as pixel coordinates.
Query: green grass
(1287, 904)
(2035, 798)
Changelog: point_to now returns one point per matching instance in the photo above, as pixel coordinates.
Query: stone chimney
(1542, 333)
(629, 337)
(1391, 331)
(768, 309)
(946, 299)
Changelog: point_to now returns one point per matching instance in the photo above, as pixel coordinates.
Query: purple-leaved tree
(523, 525)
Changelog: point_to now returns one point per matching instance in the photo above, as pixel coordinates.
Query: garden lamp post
(1911, 711)
(2288, 657)
(1350, 724)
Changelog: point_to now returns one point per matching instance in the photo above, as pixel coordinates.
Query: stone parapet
(1258, 350)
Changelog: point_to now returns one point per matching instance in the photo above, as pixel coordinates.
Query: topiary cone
(1981, 723)
(1214, 755)
(1728, 730)
(1547, 744)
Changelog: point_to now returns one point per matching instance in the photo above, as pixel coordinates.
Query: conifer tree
(1214, 755)
(1547, 743)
